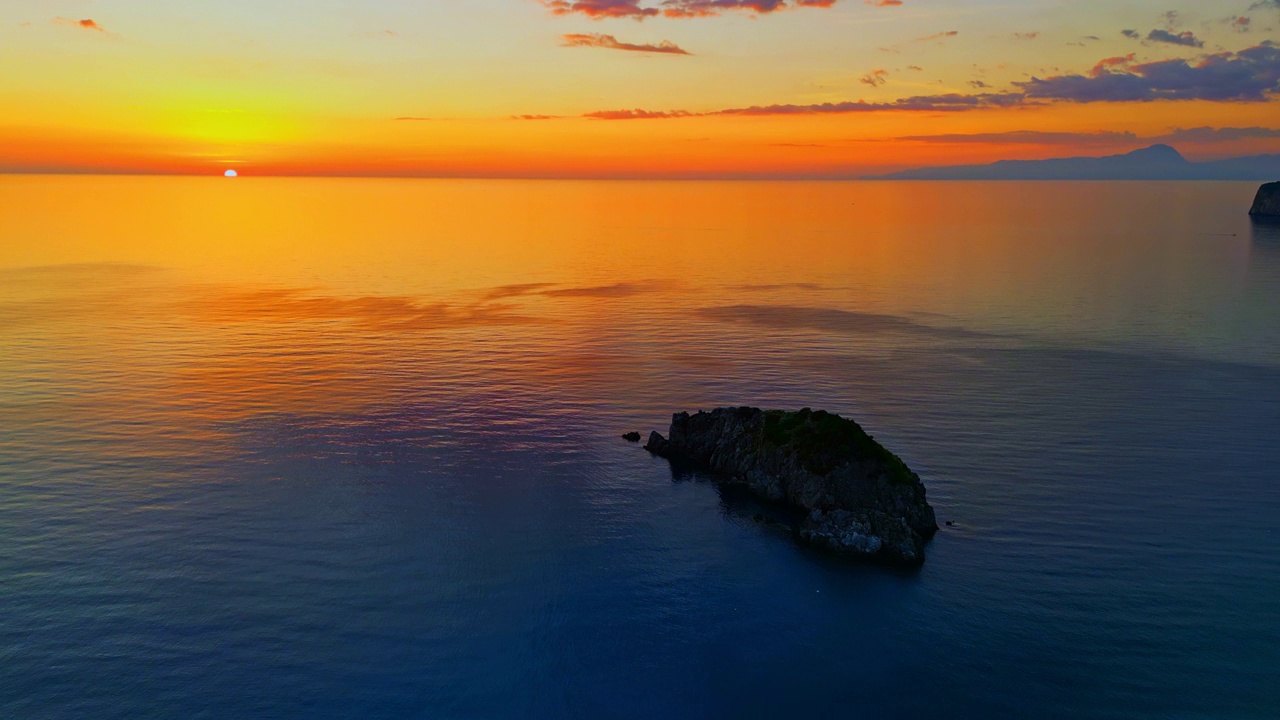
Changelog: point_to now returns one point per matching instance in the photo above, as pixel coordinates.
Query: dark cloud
(1186, 38)
(600, 40)
(1200, 135)
(1028, 137)
(642, 9)
(1211, 134)
(1250, 75)
(1131, 34)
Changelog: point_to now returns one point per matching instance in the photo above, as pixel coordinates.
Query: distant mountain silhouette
(1158, 162)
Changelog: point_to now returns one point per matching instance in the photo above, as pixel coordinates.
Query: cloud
(599, 40)
(884, 3)
(1212, 135)
(1250, 75)
(951, 102)
(1266, 5)
(1026, 35)
(1106, 65)
(1026, 137)
(638, 114)
(875, 78)
(1186, 38)
(87, 24)
(642, 9)
(938, 36)
(1131, 34)
(1197, 135)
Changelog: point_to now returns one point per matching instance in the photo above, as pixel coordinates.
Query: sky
(625, 88)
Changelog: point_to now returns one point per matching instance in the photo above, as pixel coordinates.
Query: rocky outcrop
(1267, 203)
(631, 437)
(859, 498)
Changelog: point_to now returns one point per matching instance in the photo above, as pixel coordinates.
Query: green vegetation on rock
(823, 441)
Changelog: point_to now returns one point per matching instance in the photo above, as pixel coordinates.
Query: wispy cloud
(600, 40)
(642, 9)
(875, 78)
(1025, 137)
(86, 24)
(938, 36)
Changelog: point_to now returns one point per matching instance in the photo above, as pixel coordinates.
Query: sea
(350, 448)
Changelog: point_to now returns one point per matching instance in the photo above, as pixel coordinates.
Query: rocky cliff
(1267, 203)
(860, 498)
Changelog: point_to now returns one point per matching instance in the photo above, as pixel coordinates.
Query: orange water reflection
(220, 300)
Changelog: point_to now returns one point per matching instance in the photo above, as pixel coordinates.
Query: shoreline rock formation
(1267, 203)
(860, 499)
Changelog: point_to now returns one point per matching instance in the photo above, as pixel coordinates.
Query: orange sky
(816, 88)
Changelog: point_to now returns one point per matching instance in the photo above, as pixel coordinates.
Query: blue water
(251, 505)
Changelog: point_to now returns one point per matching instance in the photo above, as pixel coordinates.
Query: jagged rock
(861, 499)
(1267, 202)
(631, 437)
(657, 444)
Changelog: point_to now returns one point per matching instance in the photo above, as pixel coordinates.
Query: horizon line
(594, 178)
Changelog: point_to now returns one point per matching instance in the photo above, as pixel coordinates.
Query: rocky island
(858, 498)
(1267, 202)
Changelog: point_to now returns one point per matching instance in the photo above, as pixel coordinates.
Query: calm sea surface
(349, 448)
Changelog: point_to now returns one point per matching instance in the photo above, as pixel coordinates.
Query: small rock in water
(860, 499)
(950, 524)
(631, 437)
